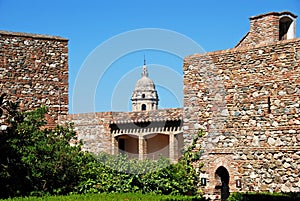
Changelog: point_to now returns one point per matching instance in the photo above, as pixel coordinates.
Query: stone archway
(222, 182)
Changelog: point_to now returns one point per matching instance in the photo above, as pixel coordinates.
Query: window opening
(284, 26)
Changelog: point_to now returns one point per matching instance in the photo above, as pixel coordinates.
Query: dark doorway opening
(122, 144)
(222, 178)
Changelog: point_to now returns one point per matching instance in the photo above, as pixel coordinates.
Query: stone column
(176, 151)
(142, 148)
(173, 148)
(114, 145)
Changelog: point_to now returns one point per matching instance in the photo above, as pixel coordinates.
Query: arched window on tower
(143, 95)
(143, 107)
(286, 28)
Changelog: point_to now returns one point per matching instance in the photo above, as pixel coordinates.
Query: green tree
(12, 170)
(34, 159)
(52, 162)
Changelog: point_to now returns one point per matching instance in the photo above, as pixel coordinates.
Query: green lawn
(112, 196)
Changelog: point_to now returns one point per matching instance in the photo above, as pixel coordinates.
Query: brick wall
(34, 71)
(248, 102)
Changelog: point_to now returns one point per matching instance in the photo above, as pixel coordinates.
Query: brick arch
(225, 162)
(231, 165)
(211, 165)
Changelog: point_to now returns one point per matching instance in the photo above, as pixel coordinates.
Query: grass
(112, 196)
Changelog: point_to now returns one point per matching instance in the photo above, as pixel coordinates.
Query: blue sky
(213, 24)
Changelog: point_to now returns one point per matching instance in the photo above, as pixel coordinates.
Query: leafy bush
(264, 196)
(35, 160)
(38, 161)
(107, 173)
(113, 176)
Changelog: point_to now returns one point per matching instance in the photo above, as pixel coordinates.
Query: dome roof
(144, 96)
(144, 83)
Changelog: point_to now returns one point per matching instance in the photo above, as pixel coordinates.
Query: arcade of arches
(148, 140)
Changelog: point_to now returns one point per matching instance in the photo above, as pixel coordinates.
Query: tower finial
(144, 72)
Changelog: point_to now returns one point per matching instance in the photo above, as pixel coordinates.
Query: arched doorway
(222, 182)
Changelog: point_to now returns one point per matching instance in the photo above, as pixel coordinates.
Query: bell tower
(144, 96)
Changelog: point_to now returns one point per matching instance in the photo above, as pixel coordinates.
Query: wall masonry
(95, 131)
(34, 71)
(247, 101)
(265, 29)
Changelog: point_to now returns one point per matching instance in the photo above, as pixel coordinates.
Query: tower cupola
(144, 96)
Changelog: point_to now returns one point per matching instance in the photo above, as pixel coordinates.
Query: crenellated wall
(34, 71)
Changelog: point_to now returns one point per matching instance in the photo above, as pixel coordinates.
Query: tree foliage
(36, 160)
(106, 173)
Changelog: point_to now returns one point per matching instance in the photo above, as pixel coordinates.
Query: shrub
(39, 161)
(264, 196)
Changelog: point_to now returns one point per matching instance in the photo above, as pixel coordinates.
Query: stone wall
(94, 129)
(264, 29)
(248, 103)
(34, 71)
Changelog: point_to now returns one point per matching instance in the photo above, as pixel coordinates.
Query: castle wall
(145, 116)
(247, 101)
(94, 129)
(34, 71)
